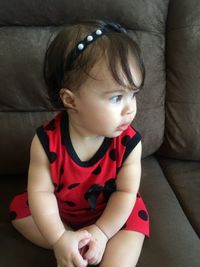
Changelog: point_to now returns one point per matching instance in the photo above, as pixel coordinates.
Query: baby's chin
(115, 134)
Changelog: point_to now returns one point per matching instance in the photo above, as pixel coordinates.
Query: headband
(89, 39)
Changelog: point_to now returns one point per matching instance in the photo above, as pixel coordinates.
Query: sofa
(168, 117)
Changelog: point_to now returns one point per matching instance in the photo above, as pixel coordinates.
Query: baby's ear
(68, 98)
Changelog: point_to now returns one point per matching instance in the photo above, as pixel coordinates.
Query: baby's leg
(26, 225)
(30, 231)
(123, 249)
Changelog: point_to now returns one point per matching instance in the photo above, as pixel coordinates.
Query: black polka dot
(97, 170)
(73, 185)
(13, 215)
(113, 154)
(52, 157)
(70, 203)
(51, 126)
(59, 188)
(143, 215)
(125, 140)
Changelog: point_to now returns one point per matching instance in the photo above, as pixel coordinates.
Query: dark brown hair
(116, 47)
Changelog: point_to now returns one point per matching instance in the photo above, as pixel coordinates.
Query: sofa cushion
(24, 35)
(173, 241)
(183, 98)
(17, 251)
(183, 177)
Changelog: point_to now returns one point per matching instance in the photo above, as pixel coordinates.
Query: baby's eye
(134, 93)
(115, 99)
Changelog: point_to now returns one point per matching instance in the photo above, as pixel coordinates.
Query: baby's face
(103, 107)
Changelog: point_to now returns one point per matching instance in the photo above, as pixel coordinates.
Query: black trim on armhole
(131, 145)
(43, 137)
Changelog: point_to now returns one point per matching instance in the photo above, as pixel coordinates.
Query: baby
(85, 165)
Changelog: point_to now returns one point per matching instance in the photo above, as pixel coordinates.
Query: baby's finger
(99, 258)
(96, 259)
(93, 261)
(83, 242)
(70, 264)
(83, 250)
(91, 252)
(79, 261)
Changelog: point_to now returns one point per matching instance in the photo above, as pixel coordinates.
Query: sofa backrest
(25, 30)
(182, 132)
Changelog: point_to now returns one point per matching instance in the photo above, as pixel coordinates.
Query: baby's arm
(42, 200)
(118, 207)
(44, 210)
(122, 201)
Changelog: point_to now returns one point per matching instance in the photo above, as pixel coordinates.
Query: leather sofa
(168, 33)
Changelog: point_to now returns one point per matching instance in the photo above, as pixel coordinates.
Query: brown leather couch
(168, 116)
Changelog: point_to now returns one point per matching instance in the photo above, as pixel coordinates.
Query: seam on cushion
(156, 107)
(28, 111)
(183, 28)
(182, 102)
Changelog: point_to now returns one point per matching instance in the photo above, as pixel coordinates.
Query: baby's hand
(96, 246)
(66, 249)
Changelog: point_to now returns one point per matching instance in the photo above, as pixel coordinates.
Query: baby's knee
(27, 227)
(17, 223)
(23, 225)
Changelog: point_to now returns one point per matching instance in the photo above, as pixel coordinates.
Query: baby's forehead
(102, 72)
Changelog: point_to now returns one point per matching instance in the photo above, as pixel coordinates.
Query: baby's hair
(72, 54)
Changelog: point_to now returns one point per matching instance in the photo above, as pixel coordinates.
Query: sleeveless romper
(82, 188)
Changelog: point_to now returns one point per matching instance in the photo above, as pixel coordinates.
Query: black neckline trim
(66, 141)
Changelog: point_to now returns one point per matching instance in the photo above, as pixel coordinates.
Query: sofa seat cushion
(17, 251)
(184, 178)
(173, 241)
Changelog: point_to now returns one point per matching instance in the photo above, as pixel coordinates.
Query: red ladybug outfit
(82, 188)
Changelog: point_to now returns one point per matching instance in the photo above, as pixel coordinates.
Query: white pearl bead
(80, 46)
(89, 38)
(98, 32)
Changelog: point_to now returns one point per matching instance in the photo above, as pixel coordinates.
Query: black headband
(89, 39)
